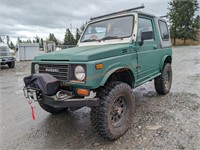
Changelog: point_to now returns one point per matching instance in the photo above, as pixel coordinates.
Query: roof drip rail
(119, 12)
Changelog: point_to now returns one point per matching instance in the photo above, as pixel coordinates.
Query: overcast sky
(28, 18)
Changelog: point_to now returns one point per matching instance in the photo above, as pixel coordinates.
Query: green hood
(86, 53)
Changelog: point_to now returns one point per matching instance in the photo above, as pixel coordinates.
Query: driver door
(147, 62)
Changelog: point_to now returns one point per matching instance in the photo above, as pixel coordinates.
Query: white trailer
(27, 51)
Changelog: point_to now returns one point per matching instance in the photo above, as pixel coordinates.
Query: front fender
(108, 74)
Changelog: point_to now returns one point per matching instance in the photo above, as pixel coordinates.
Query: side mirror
(148, 35)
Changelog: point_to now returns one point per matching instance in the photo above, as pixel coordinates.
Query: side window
(145, 26)
(164, 30)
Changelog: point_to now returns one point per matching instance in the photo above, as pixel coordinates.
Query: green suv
(116, 53)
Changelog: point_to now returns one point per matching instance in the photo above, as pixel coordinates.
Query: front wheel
(113, 116)
(164, 81)
(11, 64)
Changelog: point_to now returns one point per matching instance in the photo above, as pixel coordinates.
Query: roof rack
(163, 16)
(119, 12)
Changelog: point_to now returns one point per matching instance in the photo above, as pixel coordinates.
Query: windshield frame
(110, 18)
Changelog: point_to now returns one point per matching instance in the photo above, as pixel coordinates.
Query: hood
(86, 53)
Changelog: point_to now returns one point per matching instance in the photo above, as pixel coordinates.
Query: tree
(52, 38)
(19, 40)
(197, 22)
(12, 45)
(83, 26)
(181, 19)
(8, 40)
(41, 43)
(69, 38)
(197, 28)
(29, 41)
(78, 35)
(37, 39)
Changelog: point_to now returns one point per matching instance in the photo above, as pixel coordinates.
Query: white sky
(28, 18)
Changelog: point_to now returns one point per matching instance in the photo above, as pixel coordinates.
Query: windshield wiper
(89, 40)
(110, 38)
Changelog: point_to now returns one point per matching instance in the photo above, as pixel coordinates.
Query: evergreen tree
(78, 35)
(8, 40)
(37, 39)
(181, 18)
(12, 45)
(197, 22)
(41, 42)
(52, 38)
(19, 40)
(69, 38)
(197, 28)
(83, 26)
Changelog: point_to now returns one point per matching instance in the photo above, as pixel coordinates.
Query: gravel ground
(160, 122)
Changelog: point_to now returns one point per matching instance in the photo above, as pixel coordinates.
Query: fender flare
(163, 61)
(110, 72)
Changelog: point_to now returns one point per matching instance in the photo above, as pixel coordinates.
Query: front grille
(3, 54)
(3, 49)
(61, 72)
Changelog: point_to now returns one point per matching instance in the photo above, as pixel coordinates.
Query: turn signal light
(83, 92)
(99, 66)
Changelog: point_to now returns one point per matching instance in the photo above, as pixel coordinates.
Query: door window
(145, 25)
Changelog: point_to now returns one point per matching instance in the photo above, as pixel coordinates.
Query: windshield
(115, 28)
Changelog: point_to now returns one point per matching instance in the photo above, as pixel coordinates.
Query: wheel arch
(123, 74)
(166, 59)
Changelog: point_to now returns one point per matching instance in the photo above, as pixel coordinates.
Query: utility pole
(71, 27)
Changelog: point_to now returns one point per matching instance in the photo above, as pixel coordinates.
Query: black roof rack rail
(119, 12)
(163, 16)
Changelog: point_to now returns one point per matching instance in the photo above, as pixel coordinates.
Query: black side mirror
(148, 35)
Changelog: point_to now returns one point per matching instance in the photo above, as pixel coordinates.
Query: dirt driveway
(160, 122)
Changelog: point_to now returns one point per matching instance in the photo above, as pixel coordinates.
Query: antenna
(119, 12)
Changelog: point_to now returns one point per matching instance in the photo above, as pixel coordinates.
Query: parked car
(116, 53)
(6, 55)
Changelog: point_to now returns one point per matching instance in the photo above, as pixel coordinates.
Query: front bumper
(5, 60)
(36, 95)
(81, 102)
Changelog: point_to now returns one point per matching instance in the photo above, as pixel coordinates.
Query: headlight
(79, 73)
(36, 67)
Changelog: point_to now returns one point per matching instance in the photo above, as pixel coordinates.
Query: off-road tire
(163, 82)
(102, 116)
(11, 64)
(51, 109)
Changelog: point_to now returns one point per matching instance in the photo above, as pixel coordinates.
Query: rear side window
(164, 30)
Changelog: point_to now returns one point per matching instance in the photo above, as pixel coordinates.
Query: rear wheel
(113, 116)
(11, 64)
(51, 109)
(163, 82)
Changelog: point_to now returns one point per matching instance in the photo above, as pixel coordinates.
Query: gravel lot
(160, 122)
